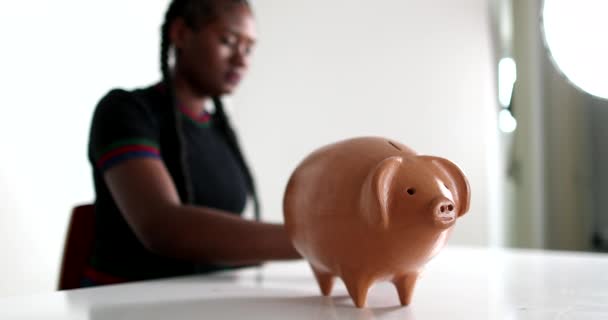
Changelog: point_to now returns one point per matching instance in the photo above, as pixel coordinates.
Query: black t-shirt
(134, 124)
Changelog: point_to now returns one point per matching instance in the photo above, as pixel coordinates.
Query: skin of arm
(148, 199)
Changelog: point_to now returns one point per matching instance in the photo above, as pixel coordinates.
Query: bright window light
(575, 33)
(506, 121)
(507, 74)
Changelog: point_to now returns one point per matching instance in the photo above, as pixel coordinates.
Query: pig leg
(324, 279)
(405, 287)
(357, 287)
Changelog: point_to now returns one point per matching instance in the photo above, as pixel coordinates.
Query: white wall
(419, 71)
(58, 58)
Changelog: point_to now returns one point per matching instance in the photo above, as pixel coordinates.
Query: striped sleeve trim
(126, 149)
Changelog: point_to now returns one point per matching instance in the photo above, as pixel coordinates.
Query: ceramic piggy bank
(371, 209)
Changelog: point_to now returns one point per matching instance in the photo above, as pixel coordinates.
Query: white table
(460, 283)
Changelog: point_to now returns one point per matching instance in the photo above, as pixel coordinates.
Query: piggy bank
(371, 209)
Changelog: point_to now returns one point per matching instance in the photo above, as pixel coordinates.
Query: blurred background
(510, 90)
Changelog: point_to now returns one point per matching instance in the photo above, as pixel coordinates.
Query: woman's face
(214, 58)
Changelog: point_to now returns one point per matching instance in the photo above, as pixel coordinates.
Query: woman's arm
(148, 199)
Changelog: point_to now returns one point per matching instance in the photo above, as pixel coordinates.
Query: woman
(170, 179)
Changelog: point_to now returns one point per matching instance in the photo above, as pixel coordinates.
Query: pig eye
(446, 186)
(411, 191)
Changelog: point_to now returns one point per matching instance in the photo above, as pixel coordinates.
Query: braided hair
(195, 13)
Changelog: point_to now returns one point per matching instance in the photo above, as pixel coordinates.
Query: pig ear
(377, 189)
(455, 180)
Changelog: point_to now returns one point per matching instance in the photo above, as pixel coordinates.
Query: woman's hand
(148, 199)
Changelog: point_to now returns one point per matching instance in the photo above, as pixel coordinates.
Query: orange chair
(78, 246)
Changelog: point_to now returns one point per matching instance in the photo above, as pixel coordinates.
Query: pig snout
(444, 212)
